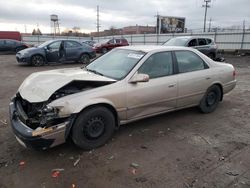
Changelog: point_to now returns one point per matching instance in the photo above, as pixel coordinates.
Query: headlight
(48, 109)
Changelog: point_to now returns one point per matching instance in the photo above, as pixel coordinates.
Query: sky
(26, 15)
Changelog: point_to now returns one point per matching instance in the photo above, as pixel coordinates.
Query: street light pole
(205, 17)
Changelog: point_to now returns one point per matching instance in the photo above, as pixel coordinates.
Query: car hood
(28, 50)
(38, 87)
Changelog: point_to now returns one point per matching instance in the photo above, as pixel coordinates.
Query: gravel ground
(178, 149)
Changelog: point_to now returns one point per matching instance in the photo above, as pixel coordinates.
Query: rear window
(202, 42)
(209, 41)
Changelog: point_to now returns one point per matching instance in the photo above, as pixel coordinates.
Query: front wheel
(84, 59)
(37, 60)
(104, 50)
(211, 99)
(93, 128)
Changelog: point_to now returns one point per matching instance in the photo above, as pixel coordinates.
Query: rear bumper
(229, 86)
(92, 55)
(41, 139)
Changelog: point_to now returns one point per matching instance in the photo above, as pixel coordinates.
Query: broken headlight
(48, 109)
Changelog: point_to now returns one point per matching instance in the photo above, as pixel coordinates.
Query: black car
(56, 51)
(9, 45)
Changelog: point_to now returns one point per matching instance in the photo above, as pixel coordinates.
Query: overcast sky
(15, 14)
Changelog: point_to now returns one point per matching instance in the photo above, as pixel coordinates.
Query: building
(129, 30)
(138, 30)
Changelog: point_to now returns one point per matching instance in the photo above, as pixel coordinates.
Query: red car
(109, 44)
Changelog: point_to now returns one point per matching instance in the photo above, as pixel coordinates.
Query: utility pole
(210, 20)
(97, 23)
(205, 17)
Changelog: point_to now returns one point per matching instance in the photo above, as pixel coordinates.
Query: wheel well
(84, 53)
(221, 89)
(38, 55)
(108, 106)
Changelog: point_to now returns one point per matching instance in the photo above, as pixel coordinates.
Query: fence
(224, 40)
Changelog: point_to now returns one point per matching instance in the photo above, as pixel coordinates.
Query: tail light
(234, 73)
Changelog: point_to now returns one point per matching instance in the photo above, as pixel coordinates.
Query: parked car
(203, 44)
(55, 51)
(108, 44)
(90, 42)
(9, 45)
(124, 85)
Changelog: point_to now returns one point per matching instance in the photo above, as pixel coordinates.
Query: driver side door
(52, 51)
(159, 93)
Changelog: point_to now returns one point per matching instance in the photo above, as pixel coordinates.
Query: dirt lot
(179, 149)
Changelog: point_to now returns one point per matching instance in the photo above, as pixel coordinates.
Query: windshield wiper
(94, 71)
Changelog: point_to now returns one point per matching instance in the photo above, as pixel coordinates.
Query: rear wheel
(211, 99)
(93, 128)
(37, 60)
(84, 59)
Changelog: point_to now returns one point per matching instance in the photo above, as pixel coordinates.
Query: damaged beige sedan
(129, 83)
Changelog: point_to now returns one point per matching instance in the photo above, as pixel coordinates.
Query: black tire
(104, 50)
(37, 60)
(84, 59)
(211, 99)
(93, 128)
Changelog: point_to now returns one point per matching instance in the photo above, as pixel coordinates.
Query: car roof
(193, 37)
(149, 48)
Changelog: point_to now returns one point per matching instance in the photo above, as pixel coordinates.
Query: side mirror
(46, 48)
(139, 78)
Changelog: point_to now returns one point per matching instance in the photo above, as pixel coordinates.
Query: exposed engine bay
(40, 114)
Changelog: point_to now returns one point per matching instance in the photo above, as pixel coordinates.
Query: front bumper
(41, 139)
(22, 59)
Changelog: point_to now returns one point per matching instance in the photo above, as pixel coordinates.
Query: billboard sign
(168, 24)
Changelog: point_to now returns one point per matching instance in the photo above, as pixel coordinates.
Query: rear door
(73, 50)
(202, 46)
(193, 79)
(52, 51)
(159, 93)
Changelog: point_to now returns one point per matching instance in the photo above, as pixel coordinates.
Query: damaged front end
(37, 125)
(40, 126)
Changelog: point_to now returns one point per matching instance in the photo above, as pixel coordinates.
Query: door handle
(171, 85)
(208, 78)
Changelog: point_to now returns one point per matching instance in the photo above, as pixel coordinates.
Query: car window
(117, 41)
(117, 63)
(55, 45)
(189, 61)
(72, 44)
(158, 65)
(202, 42)
(192, 42)
(10, 42)
(209, 41)
(124, 41)
(1, 42)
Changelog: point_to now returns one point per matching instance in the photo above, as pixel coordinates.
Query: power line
(205, 16)
(97, 22)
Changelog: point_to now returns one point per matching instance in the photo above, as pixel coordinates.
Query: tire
(104, 50)
(211, 99)
(93, 128)
(37, 60)
(84, 59)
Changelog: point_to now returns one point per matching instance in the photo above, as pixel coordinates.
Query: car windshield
(176, 42)
(44, 44)
(116, 64)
